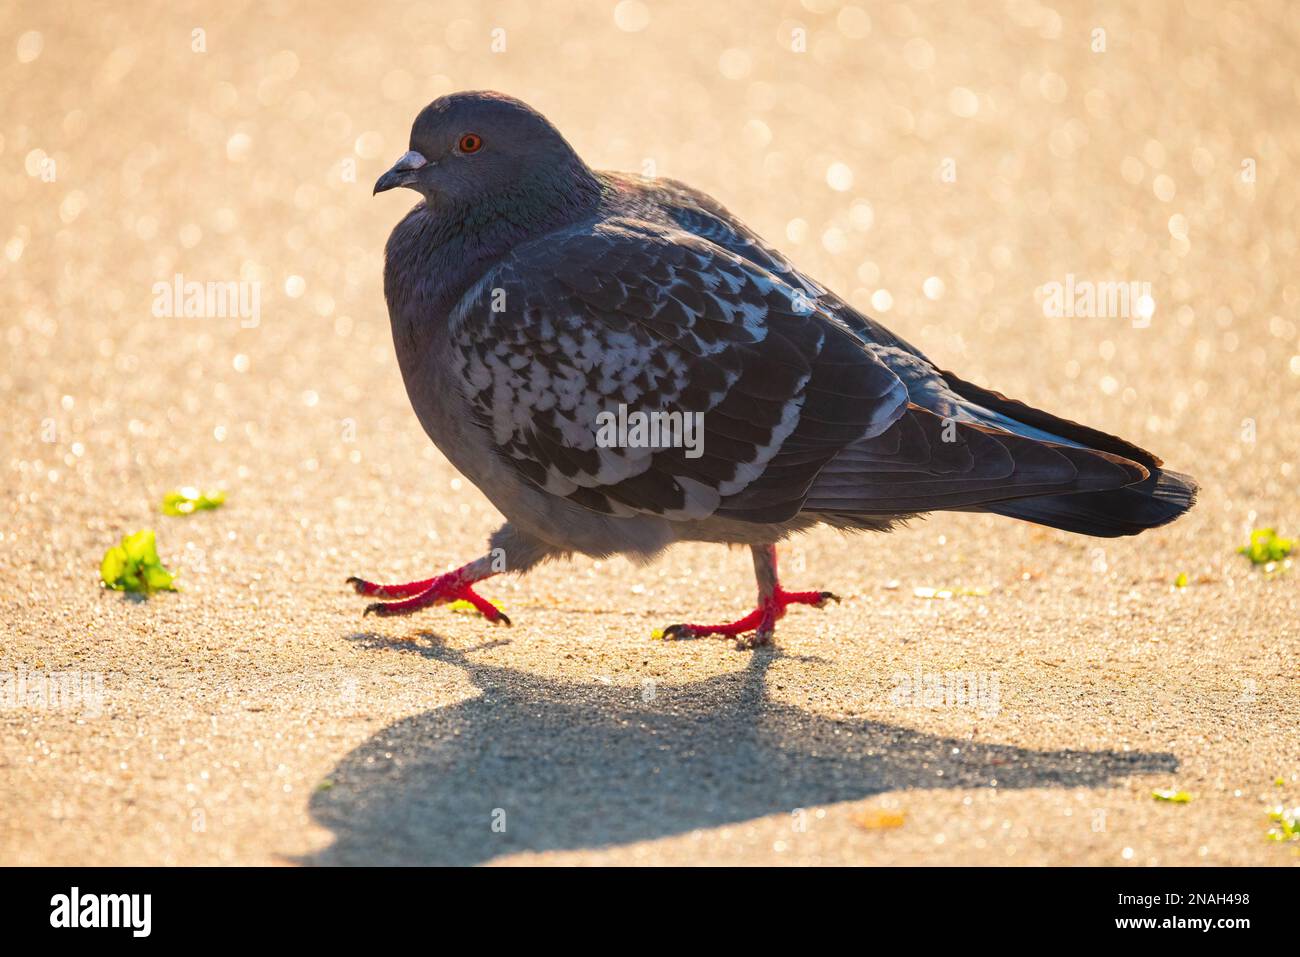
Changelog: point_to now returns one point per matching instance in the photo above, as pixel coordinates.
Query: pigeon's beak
(402, 173)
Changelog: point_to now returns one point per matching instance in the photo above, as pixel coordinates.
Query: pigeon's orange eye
(471, 143)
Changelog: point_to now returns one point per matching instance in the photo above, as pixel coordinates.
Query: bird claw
(691, 632)
(758, 628)
(760, 638)
(411, 597)
(679, 633)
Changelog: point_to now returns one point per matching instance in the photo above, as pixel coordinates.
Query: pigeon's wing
(636, 368)
(702, 215)
(985, 420)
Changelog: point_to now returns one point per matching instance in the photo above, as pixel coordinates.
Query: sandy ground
(255, 717)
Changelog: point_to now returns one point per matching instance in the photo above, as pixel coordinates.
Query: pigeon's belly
(445, 415)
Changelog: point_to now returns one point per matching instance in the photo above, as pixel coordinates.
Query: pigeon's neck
(464, 241)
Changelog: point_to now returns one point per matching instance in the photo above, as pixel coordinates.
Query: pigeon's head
(480, 147)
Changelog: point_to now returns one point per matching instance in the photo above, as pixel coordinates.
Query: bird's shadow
(537, 764)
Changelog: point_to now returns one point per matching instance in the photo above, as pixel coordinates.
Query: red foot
(452, 586)
(761, 621)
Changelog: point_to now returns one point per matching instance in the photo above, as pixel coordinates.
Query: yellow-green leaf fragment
(141, 547)
(944, 594)
(188, 500)
(461, 605)
(1286, 824)
(1266, 547)
(134, 566)
(941, 594)
(1172, 796)
(157, 578)
(1181, 580)
(113, 566)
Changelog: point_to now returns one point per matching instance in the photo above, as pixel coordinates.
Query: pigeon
(619, 364)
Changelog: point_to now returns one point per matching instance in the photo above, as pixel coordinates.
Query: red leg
(453, 586)
(389, 591)
(772, 603)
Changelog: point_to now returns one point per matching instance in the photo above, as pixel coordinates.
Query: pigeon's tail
(1156, 501)
(924, 463)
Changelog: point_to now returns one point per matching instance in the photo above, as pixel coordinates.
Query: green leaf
(1287, 821)
(1172, 796)
(157, 578)
(141, 547)
(113, 566)
(461, 605)
(188, 500)
(1266, 546)
(134, 565)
